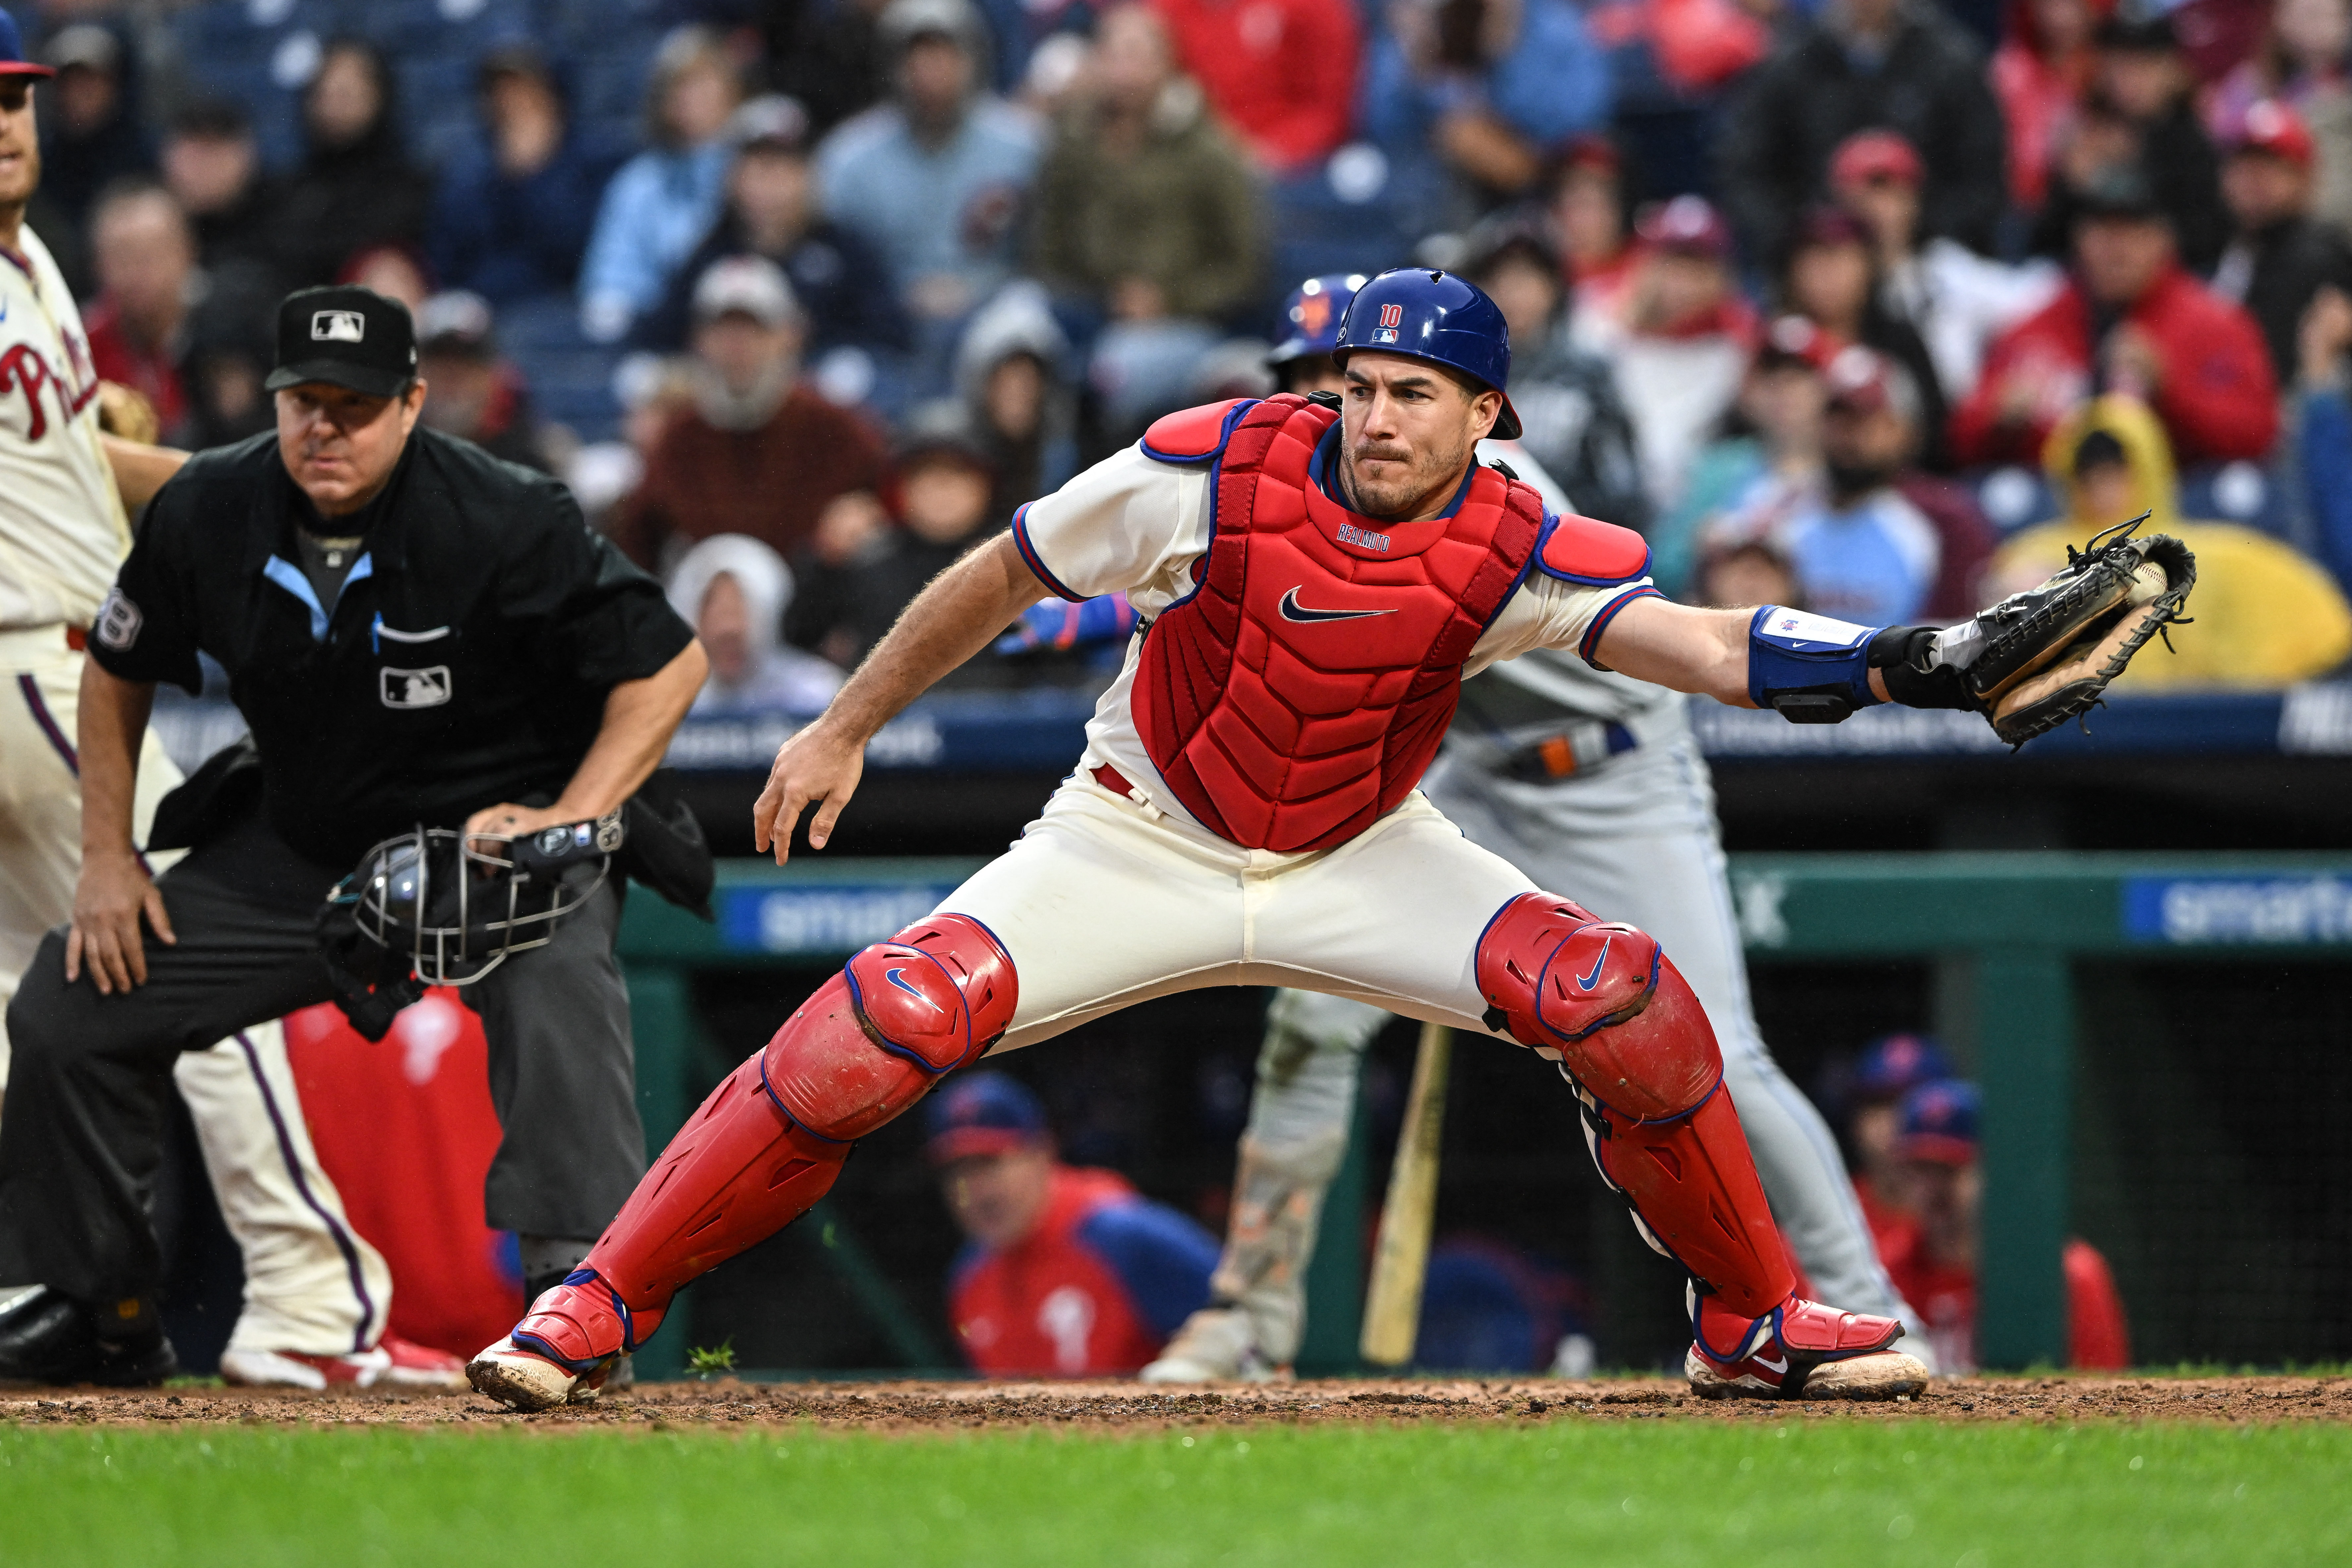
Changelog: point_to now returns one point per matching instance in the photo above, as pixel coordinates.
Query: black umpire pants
(82, 1125)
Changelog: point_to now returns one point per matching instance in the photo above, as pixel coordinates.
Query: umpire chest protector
(1302, 687)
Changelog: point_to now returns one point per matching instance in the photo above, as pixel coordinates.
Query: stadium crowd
(1869, 306)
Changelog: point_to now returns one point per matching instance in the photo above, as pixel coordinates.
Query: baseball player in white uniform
(316, 1293)
(1582, 779)
(1316, 576)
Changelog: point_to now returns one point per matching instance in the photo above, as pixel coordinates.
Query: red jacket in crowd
(149, 371)
(2216, 394)
(1945, 1297)
(1282, 73)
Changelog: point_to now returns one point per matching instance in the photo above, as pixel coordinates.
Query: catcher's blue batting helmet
(1437, 317)
(1312, 315)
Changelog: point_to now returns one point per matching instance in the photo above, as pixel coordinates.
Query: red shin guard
(769, 1142)
(1602, 999)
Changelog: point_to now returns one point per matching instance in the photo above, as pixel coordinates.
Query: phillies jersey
(1142, 524)
(62, 529)
(1945, 1297)
(1094, 1290)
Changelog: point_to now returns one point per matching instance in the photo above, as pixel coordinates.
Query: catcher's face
(1407, 431)
(340, 445)
(20, 146)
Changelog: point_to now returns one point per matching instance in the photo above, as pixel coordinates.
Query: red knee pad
(875, 1038)
(1605, 998)
(1693, 1184)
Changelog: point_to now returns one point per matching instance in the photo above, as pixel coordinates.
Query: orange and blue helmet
(1436, 316)
(1313, 313)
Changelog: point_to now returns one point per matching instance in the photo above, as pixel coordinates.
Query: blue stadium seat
(570, 378)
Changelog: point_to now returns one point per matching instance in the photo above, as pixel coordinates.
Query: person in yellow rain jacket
(2264, 614)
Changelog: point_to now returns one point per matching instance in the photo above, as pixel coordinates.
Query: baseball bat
(1400, 1263)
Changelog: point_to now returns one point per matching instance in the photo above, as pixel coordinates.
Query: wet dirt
(1109, 1406)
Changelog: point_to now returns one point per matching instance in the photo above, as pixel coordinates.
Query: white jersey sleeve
(62, 529)
(1131, 523)
(1549, 613)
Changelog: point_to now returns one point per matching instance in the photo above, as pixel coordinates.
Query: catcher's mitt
(2044, 656)
(124, 411)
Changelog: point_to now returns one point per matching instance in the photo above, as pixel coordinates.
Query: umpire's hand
(113, 892)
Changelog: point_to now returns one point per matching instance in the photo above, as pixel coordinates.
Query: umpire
(415, 633)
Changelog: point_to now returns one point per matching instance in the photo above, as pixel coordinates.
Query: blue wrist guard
(1059, 625)
(1810, 669)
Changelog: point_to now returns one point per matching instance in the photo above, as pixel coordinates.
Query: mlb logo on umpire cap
(338, 327)
(344, 336)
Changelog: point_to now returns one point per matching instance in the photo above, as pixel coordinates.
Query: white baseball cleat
(525, 1380)
(394, 1363)
(1215, 1345)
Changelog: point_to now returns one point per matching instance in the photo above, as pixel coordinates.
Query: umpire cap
(1438, 317)
(345, 336)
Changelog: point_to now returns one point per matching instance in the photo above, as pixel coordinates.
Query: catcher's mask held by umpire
(458, 905)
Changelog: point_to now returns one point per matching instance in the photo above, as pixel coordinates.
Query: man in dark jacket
(1898, 64)
(510, 218)
(2282, 255)
(419, 636)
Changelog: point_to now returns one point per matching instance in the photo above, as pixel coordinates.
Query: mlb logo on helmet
(1391, 318)
(338, 327)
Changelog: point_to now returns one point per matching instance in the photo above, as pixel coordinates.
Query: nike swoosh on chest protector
(1292, 610)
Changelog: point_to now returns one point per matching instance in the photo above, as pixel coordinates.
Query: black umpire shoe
(47, 1338)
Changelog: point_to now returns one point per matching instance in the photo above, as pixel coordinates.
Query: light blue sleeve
(2326, 434)
(1555, 83)
(1390, 109)
(618, 264)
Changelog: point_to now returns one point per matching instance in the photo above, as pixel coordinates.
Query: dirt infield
(910, 1408)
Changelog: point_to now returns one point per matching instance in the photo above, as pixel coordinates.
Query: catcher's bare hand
(113, 893)
(818, 766)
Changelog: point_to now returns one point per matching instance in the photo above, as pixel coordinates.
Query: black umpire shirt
(465, 660)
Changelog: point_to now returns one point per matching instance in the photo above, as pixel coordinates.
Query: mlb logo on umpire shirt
(414, 688)
(338, 327)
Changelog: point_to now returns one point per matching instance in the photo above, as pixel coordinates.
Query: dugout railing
(2003, 930)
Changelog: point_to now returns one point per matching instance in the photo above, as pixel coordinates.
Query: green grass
(1809, 1491)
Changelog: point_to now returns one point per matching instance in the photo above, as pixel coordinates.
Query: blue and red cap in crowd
(981, 1113)
(1892, 1063)
(1426, 314)
(1311, 316)
(1940, 1123)
(12, 52)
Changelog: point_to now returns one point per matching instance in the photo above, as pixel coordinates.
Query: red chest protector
(1302, 688)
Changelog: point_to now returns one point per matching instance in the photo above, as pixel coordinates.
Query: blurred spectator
(1282, 73)
(212, 164)
(90, 132)
(470, 392)
(1738, 571)
(735, 592)
(1764, 462)
(935, 178)
(2306, 62)
(1953, 299)
(759, 451)
(1680, 342)
(1144, 207)
(2143, 77)
(2040, 73)
(1009, 375)
(771, 211)
(1889, 1069)
(941, 484)
(829, 58)
(1856, 65)
(1932, 1259)
(1488, 85)
(395, 271)
(2129, 319)
(2265, 617)
(2323, 406)
(1864, 551)
(663, 200)
(1067, 1271)
(2281, 256)
(232, 346)
(1831, 279)
(511, 215)
(1590, 214)
(1571, 420)
(146, 260)
(356, 188)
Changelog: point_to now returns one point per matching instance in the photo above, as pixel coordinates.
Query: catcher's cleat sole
(522, 1380)
(1881, 1375)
